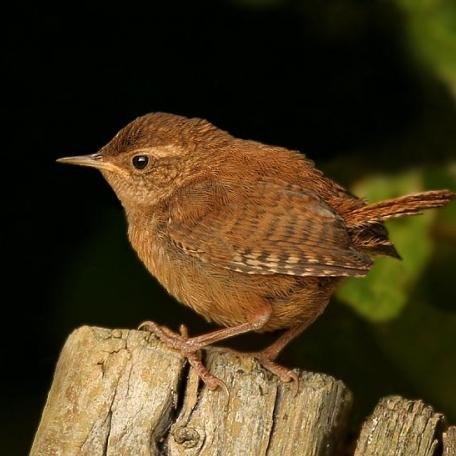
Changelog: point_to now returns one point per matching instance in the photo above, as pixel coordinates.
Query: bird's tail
(399, 207)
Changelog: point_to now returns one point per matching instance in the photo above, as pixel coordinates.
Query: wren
(250, 236)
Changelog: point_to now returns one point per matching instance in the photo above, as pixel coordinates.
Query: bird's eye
(140, 161)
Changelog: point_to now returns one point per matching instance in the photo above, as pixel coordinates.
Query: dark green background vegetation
(365, 88)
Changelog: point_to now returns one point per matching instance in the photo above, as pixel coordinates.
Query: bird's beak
(93, 161)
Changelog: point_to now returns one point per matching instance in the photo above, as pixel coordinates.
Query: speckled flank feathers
(279, 229)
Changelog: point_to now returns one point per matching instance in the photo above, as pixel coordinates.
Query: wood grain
(400, 427)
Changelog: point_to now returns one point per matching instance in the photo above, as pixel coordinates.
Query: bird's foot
(178, 341)
(285, 375)
(188, 347)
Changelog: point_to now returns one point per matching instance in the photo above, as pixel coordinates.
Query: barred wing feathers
(271, 228)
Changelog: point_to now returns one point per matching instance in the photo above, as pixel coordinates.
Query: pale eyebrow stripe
(169, 150)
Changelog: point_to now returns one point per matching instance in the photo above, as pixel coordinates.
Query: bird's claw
(210, 380)
(284, 374)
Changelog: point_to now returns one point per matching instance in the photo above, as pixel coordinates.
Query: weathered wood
(400, 427)
(113, 393)
(449, 441)
(117, 393)
(260, 416)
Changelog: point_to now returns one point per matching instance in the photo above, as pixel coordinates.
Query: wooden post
(118, 393)
(121, 392)
(398, 426)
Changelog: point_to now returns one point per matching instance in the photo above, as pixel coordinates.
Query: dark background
(340, 82)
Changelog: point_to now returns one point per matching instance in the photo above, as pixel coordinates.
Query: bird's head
(154, 155)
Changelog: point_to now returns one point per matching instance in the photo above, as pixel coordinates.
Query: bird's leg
(189, 346)
(183, 343)
(273, 350)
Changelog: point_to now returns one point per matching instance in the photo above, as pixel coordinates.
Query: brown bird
(252, 237)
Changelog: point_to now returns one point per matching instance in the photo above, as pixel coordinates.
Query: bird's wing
(273, 228)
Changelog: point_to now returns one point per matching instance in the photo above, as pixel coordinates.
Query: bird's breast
(177, 272)
(151, 249)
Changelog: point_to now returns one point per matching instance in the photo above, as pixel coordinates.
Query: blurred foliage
(431, 27)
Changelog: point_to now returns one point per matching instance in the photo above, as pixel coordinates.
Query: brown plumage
(252, 237)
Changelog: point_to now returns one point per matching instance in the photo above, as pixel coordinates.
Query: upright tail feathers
(399, 207)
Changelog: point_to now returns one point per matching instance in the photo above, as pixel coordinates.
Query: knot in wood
(186, 436)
